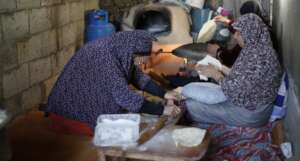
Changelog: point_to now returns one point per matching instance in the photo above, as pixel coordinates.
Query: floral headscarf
(255, 76)
(253, 30)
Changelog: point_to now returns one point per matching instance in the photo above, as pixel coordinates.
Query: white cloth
(206, 61)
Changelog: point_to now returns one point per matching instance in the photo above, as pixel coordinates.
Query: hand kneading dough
(207, 31)
(188, 137)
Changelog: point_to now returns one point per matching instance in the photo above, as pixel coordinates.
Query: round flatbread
(188, 137)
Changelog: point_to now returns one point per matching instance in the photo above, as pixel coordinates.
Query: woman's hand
(210, 71)
(172, 110)
(212, 49)
(222, 19)
(172, 95)
(225, 70)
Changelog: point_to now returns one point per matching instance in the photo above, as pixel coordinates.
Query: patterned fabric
(255, 76)
(241, 144)
(279, 109)
(95, 80)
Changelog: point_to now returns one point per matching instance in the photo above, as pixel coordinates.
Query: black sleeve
(152, 88)
(230, 27)
(228, 57)
(152, 108)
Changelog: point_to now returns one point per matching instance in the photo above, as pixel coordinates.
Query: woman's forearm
(225, 70)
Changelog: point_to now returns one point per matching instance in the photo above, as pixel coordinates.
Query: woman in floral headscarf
(96, 80)
(250, 85)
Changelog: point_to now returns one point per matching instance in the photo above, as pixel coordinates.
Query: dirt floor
(31, 140)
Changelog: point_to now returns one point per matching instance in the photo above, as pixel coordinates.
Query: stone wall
(37, 38)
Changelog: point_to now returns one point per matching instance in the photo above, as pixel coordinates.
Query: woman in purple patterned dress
(96, 80)
(250, 85)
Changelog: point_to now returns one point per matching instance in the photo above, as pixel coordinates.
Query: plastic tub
(117, 130)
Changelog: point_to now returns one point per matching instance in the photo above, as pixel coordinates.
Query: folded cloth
(279, 109)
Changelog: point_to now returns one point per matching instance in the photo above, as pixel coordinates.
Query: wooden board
(160, 147)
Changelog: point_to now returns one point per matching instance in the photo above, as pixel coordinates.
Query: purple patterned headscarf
(255, 76)
(253, 30)
(125, 44)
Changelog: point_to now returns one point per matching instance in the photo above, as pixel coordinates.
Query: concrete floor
(31, 140)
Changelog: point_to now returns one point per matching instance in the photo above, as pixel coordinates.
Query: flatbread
(188, 137)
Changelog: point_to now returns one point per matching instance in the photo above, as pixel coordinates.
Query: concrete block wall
(37, 38)
(286, 22)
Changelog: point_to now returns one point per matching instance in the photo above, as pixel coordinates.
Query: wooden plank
(101, 155)
(161, 151)
(142, 156)
(277, 133)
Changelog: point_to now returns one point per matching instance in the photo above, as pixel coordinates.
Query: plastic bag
(207, 31)
(195, 3)
(117, 130)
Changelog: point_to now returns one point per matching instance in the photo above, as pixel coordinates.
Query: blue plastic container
(97, 25)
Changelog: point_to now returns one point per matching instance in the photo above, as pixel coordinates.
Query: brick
(15, 25)
(106, 3)
(8, 56)
(40, 19)
(21, 4)
(49, 42)
(1, 85)
(80, 34)
(37, 46)
(7, 5)
(48, 85)
(13, 105)
(66, 55)
(59, 60)
(40, 70)
(67, 35)
(15, 81)
(80, 29)
(55, 69)
(77, 11)
(62, 13)
(31, 97)
(120, 3)
(30, 49)
(1, 37)
(68, 1)
(91, 4)
(49, 2)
